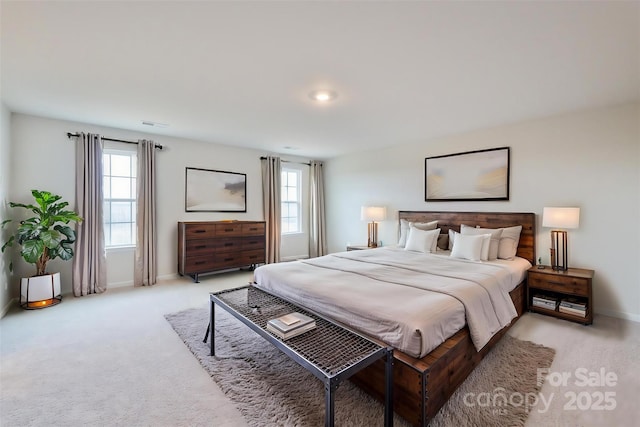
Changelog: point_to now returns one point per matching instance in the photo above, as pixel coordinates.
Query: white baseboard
(120, 284)
(620, 315)
(6, 308)
(127, 283)
(172, 276)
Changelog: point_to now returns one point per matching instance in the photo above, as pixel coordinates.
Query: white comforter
(410, 300)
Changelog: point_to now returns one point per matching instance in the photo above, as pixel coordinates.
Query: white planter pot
(40, 291)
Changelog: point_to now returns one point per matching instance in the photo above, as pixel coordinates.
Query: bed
(441, 314)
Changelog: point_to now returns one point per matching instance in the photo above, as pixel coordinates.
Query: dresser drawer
(252, 257)
(199, 231)
(256, 229)
(200, 247)
(228, 229)
(249, 243)
(570, 285)
(219, 261)
(199, 264)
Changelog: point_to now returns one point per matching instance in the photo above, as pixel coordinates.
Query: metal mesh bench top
(329, 351)
(331, 348)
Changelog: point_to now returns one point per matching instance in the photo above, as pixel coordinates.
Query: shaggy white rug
(271, 390)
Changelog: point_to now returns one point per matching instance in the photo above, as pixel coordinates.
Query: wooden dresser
(209, 246)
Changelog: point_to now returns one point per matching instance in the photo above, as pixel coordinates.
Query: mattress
(412, 301)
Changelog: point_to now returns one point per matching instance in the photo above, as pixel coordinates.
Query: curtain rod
(75, 135)
(289, 161)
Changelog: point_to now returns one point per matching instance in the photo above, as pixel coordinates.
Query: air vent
(155, 124)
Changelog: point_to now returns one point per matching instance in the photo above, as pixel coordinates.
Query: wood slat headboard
(452, 220)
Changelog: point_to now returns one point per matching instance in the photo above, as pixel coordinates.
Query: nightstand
(574, 283)
(358, 248)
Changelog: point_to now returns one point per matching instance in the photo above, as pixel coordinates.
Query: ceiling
(239, 73)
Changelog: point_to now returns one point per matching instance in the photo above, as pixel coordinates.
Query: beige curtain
(90, 261)
(271, 180)
(145, 270)
(317, 228)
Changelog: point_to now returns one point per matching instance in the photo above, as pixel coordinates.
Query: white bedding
(410, 300)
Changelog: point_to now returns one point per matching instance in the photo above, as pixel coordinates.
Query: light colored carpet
(271, 390)
(113, 360)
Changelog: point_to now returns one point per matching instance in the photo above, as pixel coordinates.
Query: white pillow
(422, 240)
(406, 225)
(486, 244)
(467, 246)
(494, 244)
(509, 242)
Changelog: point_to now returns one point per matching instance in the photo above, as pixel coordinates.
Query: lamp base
(559, 250)
(372, 239)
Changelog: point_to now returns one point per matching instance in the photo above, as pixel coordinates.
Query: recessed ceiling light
(323, 95)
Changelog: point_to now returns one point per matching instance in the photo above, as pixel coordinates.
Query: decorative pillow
(494, 243)
(509, 242)
(486, 243)
(405, 226)
(443, 242)
(452, 237)
(467, 246)
(422, 240)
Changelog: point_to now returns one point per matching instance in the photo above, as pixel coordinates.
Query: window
(291, 201)
(119, 186)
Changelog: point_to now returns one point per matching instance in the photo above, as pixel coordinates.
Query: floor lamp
(560, 219)
(373, 214)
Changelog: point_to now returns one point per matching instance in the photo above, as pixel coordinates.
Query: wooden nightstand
(558, 285)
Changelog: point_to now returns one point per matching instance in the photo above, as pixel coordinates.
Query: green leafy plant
(46, 235)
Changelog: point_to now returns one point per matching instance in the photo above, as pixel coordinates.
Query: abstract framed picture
(470, 176)
(215, 191)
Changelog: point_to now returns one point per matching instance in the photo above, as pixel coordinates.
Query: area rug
(271, 390)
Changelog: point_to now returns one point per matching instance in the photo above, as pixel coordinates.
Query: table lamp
(560, 219)
(373, 214)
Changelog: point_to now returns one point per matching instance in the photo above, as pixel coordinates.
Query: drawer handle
(201, 247)
(228, 230)
(229, 259)
(253, 257)
(199, 231)
(199, 262)
(228, 244)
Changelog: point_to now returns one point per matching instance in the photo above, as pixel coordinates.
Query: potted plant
(43, 237)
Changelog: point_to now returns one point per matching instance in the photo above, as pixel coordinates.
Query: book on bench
(290, 325)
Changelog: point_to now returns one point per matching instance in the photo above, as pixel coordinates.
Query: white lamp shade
(373, 213)
(561, 217)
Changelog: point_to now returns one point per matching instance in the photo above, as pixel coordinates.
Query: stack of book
(290, 325)
(545, 301)
(573, 306)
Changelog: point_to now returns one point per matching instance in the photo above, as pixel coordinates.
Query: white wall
(588, 159)
(44, 159)
(6, 291)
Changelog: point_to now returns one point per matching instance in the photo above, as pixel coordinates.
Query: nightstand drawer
(570, 285)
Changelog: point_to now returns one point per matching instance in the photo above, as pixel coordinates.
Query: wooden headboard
(452, 220)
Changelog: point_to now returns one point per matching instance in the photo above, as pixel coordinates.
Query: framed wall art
(215, 191)
(472, 175)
